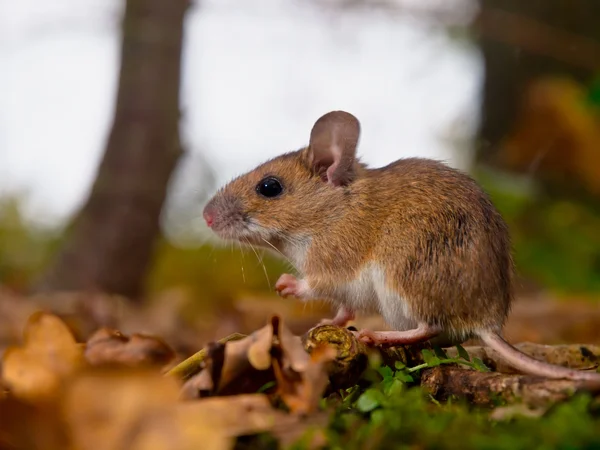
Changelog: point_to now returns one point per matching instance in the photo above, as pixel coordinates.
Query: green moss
(407, 418)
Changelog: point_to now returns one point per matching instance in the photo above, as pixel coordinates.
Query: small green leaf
(479, 365)
(399, 365)
(427, 356)
(463, 353)
(404, 377)
(434, 362)
(386, 384)
(378, 416)
(440, 353)
(265, 387)
(430, 359)
(369, 400)
(385, 371)
(395, 387)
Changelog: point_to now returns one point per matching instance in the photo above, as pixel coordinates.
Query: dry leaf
(197, 385)
(244, 367)
(258, 351)
(272, 353)
(302, 391)
(49, 355)
(134, 409)
(24, 425)
(212, 423)
(291, 345)
(167, 431)
(246, 364)
(108, 346)
(235, 415)
(106, 409)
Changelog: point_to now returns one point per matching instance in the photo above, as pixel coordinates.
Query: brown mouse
(416, 241)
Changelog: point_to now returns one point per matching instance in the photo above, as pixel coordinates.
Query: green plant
(391, 413)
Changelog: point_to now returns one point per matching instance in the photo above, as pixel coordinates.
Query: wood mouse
(416, 241)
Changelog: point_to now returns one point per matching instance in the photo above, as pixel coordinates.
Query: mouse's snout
(223, 214)
(209, 215)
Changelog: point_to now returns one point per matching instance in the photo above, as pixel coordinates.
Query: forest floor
(45, 384)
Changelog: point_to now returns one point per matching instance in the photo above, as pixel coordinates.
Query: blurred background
(119, 118)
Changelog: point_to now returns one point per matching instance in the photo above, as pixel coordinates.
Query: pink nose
(209, 216)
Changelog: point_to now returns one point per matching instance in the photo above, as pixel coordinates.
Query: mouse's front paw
(289, 286)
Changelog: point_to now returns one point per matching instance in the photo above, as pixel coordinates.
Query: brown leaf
(235, 415)
(207, 380)
(27, 426)
(272, 353)
(214, 423)
(135, 409)
(245, 365)
(302, 391)
(49, 355)
(197, 386)
(260, 344)
(108, 346)
(296, 357)
(107, 408)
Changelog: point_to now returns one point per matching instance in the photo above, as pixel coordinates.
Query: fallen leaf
(214, 423)
(50, 354)
(197, 386)
(302, 391)
(108, 346)
(296, 356)
(107, 408)
(260, 345)
(24, 425)
(195, 363)
(235, 415)
(246, 365)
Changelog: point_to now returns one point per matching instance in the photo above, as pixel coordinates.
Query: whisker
(286, 259)
(260, 261)
(242, 263)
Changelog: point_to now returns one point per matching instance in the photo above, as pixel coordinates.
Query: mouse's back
(445, 247)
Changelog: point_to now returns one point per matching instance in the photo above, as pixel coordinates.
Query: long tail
(531, 366)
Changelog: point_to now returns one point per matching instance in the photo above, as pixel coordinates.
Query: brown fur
(444, 246)
(425, 230)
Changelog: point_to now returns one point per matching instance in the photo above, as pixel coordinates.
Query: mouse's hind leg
(341, 319)
(422, 333)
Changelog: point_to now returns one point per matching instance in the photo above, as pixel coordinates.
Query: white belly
(368, 294)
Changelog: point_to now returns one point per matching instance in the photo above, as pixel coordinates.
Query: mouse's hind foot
(422, 333)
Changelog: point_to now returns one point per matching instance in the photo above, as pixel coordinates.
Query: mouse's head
(291, 196)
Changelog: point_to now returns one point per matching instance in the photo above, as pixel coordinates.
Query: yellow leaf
(49, 354)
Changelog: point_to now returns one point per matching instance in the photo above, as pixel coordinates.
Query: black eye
(269, 187)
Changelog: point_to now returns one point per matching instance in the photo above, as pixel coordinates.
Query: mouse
(416, 241)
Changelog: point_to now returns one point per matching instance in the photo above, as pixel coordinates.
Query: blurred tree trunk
(521, 40)
(111, 241)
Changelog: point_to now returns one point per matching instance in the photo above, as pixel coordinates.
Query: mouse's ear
(332, 149)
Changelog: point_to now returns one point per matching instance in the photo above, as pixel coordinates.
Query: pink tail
(531, 366)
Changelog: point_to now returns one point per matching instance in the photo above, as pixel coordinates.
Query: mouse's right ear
(332, 149)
